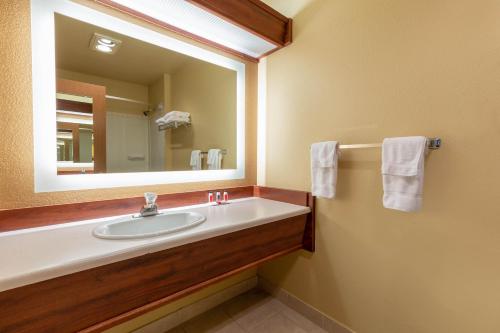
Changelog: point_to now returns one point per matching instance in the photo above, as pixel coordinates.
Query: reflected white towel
(195, 161)
(214, 159)
(324, 164)
(174, 116)
(403, 172)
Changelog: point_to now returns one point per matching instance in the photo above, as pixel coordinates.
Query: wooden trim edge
(211, 8)
(130, 12)
(295, 197)
(309, 241)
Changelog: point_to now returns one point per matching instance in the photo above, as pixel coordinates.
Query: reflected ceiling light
(103, 48)
(104, 43)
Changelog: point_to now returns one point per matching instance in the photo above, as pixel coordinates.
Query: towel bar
(432, 143)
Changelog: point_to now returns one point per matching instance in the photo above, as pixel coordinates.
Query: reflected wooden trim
(75, 106)
(98, 94)
(74, 172)
(75, 133)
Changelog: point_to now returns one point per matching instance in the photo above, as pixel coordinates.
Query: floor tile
(215, 320)
(252, 312)
(277, 323)
(301, 321)
(250, 309)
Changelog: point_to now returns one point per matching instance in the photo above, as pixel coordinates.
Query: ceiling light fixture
(104, 43)
(103, 48)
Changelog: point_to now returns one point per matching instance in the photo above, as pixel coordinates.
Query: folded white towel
(174, 116)
(214, 159)
(403, 172)
(324, 165)
(195, 161)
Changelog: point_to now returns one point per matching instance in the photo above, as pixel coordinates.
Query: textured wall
(16, 165)
(362, 70)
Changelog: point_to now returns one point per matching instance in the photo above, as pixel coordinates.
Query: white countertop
(32, 255)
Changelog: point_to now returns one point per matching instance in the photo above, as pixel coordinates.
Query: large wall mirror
(116, 104)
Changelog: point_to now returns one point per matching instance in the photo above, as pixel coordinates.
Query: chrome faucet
(150, 208)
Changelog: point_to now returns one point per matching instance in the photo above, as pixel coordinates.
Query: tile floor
(252, 312)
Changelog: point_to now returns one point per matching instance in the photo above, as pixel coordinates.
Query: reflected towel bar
(222, 151)
(432, 143)
(123, 99)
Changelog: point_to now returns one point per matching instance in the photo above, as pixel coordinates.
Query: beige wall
(208, 93)
(359, 71)
(160, 92)
(16, 166)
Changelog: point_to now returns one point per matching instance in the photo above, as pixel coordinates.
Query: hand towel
(214, 159)
(324, 165)
(403, 172)
(195, 161)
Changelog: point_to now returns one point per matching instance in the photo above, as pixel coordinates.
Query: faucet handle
(150, 198)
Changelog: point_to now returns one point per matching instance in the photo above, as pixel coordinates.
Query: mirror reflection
(124, 105)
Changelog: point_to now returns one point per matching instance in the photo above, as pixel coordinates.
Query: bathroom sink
(143, 227)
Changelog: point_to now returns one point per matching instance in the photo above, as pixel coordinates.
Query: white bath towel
(195, 161)
(214, 159)
(403, 172)
(324, 165)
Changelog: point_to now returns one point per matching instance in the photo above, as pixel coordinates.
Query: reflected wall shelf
(173, 124)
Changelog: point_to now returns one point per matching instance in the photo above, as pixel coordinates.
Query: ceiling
(135, 61)
(289, 8)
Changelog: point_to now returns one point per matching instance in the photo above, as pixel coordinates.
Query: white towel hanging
(324, 165)
(403, 172)
(214, 159)
(195, 161)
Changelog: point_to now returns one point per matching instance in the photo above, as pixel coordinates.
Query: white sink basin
(143, 227)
